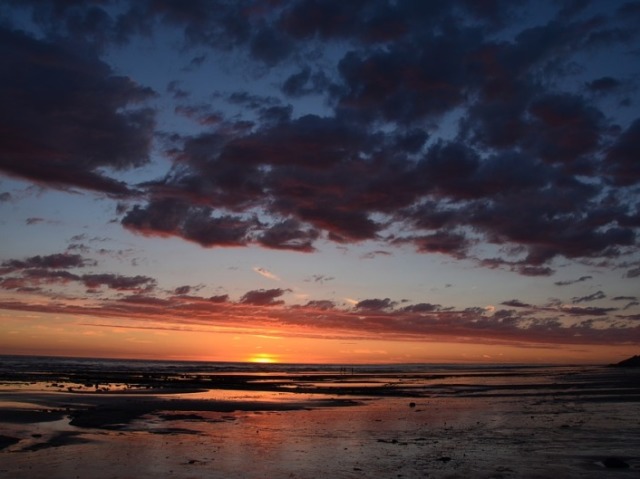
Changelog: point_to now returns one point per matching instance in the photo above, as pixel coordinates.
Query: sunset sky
(353, 181)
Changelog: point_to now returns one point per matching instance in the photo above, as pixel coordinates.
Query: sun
(263, 358)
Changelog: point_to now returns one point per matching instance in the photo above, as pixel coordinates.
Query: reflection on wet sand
(519, 422)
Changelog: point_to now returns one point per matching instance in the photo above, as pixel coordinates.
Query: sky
(363, 181)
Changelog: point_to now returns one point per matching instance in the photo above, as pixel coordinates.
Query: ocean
(24, 363)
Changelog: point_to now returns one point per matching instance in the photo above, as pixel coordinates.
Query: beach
(120, 421)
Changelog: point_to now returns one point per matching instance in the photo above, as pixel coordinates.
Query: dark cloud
(624, 298)
(559, 221)
(449, 168)
(374, 254)
(42, 270)
(226, 230)
(80, 21)
(118, 282)
(52, 261)
(270, 46)
(305, 82)
(197, 61)
(342, 225)
(182, 290)
(221, 298)
(526, 270)
(515, 109)
(32, 280)
(445, 242)
(200, 114)
(516, 303)
(178, 93)
(67, 116)
(327, 19)
(310, 141)
(275, 114)
(573, 281)
(78, 247)
(422, 308)
(32, 272)
(522, 267)
(18, 284)
(633, 273)
(444, 125)
(263, 297)
(375, 304)
(167, 217)
(591, 297)
(38, 276)
(603, 85)
(374, 22)
(403, 83)
(375, 318)
(564, 128)
(622, 160)
(320, 278)
(587, 311)
(34, 221)
(320, 304)
(252, 101)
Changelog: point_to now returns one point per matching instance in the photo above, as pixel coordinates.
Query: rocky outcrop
(633, 362)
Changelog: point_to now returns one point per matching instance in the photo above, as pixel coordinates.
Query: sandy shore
(573, 423)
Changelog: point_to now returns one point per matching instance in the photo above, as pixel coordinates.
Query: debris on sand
(6, 441)
(615, 463)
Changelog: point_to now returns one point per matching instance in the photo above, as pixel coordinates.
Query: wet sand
(525, 423)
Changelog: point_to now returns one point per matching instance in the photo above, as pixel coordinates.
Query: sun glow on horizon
(263, 358)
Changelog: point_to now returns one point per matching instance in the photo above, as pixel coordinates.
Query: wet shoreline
(581, 421)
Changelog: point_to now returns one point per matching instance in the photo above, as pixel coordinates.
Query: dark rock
(58, 440)
(107, 418)
(615, 463)
(632, 362)
(412, 404)
(181, 417)
(444, 459)
(6, 441)
(16, 416)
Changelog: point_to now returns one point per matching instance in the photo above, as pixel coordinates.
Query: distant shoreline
(277, 365)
